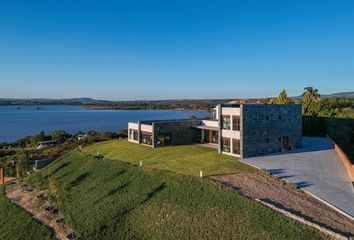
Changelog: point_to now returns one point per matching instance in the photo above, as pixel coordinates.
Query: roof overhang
(206, 128)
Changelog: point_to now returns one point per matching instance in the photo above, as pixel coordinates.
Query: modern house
(237, 129)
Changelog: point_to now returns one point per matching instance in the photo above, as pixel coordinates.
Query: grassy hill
(17, 224)
(186, 159)
(104, 199)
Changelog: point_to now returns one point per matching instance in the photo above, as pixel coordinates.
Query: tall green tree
(309, 97)
(283, 98)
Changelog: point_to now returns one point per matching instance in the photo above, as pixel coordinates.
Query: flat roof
(149, 122)
(206, 127)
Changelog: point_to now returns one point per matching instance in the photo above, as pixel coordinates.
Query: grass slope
(106, 199)
(187, 159)
(17, 224)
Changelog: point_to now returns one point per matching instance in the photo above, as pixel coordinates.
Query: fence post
(201, 173)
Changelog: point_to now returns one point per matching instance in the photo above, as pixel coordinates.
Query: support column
(219, 108)
(241, 130)
(2, 177)
(139, 132)
(202, 140)
(153, 136)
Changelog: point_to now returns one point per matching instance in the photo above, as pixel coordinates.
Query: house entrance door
(286, 143)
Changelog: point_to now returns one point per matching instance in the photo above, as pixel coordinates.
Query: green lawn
(106, 199)
(187, 159)
(17, 224)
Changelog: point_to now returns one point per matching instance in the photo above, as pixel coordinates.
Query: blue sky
(124, 50)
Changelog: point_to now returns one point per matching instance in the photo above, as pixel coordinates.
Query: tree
(283, 98)
(266, 100)
(39, 138)
(21, 163)
(309, 97)
(60, 136)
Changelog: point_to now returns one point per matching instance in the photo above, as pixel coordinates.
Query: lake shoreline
(27, 120)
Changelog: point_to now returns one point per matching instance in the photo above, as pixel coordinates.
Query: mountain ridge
(87, 100)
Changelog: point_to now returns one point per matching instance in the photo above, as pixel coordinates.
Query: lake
(20, 121)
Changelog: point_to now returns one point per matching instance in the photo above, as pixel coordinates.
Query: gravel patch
(281, 194)
(37, 204)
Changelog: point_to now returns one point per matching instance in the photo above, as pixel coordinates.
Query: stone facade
(270, 128)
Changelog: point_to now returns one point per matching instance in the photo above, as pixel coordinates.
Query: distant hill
(186, 104)
(49, 101)
(340, 94)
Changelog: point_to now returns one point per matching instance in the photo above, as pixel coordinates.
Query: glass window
(146, 139)
(236, 123)
(226, 122)
(164, 139)
(133, 134)
(226, 145)
(236, 147)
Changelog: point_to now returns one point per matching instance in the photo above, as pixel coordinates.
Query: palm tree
(312, 91)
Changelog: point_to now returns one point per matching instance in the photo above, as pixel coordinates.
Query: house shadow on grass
(308, 218)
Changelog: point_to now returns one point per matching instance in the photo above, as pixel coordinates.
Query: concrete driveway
(315, 168)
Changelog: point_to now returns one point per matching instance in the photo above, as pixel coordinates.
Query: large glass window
(164, 139)
(213, 136)
(134, 134)
(236, 123)
(146, 138)
(226, 122)
(236, 147)
(226, 145)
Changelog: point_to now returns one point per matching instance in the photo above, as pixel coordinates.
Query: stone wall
(264, 126)
(181, 131)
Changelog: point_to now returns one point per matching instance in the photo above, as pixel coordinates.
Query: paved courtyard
(315, 168)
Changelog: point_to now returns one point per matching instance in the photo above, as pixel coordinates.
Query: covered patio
(208, 135)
